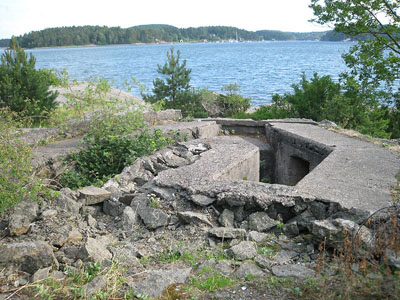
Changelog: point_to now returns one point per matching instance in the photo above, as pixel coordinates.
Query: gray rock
(41, 274)
(319, 210)
(127, 255)
(248, 268)
(244, 250)
(291, 230)
(48, 214)
(129, 218)
(227, 233)
(227, 218)
(113, 208)
(96, 285)
(68, 205)
(189, 217)
(224, 267)
(284, 257)
(91, 222)
(67, 234)
(172, 160)
(153, 218)
(94, 250)
(299, 271)
(260, 221)
(260, 237)
(393, 258)
(21, 217)
(90, 195)
(58, 275)
(158, 280)
(163, 193)
(263, 262)
(28, 256)
(202, 200)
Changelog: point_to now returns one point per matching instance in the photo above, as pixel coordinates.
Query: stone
(157, 280)
(244, 250)
(127, 255)
(263, 262)
(393, 258)
(224, 267)
(48, 214)
(28, 256)
(319, 210)
(284, 257)
(202, 200)
(291, 229)
(248, 268)
(90, 195)
(153, 218)
(41, 274)
(21, 217)
(189, 217)
(91, 222)
(95, 251)
(172, 160)
(227, 218)
(298, 271)
(163, 193)
(129, 218)
(260, 237)
(227, 233)
(67, 234)
(113, 208)
(94, 286)
(68, 205)
(58, 275)
(260, 221)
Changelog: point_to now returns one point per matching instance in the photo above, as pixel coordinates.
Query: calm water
(261, 69)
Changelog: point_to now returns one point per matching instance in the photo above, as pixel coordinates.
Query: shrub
(16, 179)
(23, 89)
(232, 103)
(112, 143)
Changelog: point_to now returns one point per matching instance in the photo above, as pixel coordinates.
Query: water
(260, 68)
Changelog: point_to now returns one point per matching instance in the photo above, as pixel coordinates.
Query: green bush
(112, 143)
(23, 89)
(16, 179)
(232, 103)
(345, 103)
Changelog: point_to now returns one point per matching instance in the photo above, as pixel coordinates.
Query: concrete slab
(356, 174)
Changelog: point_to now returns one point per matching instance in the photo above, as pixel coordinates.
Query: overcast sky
(22, 16)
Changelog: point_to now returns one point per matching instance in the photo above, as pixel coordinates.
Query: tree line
(103, 35)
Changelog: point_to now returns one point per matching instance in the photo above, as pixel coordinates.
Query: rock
(393, 258)
(41, 274)
(284, 257)
(158, 280)
(224, 267)
(244, 250)
(291, 230)
(299, 271)
(58, 275)
(94, 250)
(227, 233)
(227, 218)
(91, 222)
(202, 200)
(153, 218)
(90, 195)
(129, 218)
(189, 217)
(172, 160)
(28, 256)
(248, 268)
(127, 255)
(263, 262)
(260, 237)
(67, 234)
(319, 210)
(68, 205)
(96, 285)
(22, 216)
(48, 214)
(163, 193)
(113, 208)
(260, 221)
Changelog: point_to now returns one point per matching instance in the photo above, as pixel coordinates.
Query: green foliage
(16, 180)
(174, 90)
(374, 61)
(112, 143)
(210, 281)
(24, 89)
(346, 103)
(232, 103)
(102, 35)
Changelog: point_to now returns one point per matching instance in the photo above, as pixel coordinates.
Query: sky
(22, 16)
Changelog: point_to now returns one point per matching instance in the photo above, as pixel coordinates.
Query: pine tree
(23, 89)
(176, 80)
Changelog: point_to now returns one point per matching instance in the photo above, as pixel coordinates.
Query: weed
(210, 281)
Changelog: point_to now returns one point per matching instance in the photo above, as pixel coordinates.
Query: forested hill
(102, 35)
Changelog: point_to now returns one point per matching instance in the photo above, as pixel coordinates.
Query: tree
(375, 60)
(176, 81)
(23, 89)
